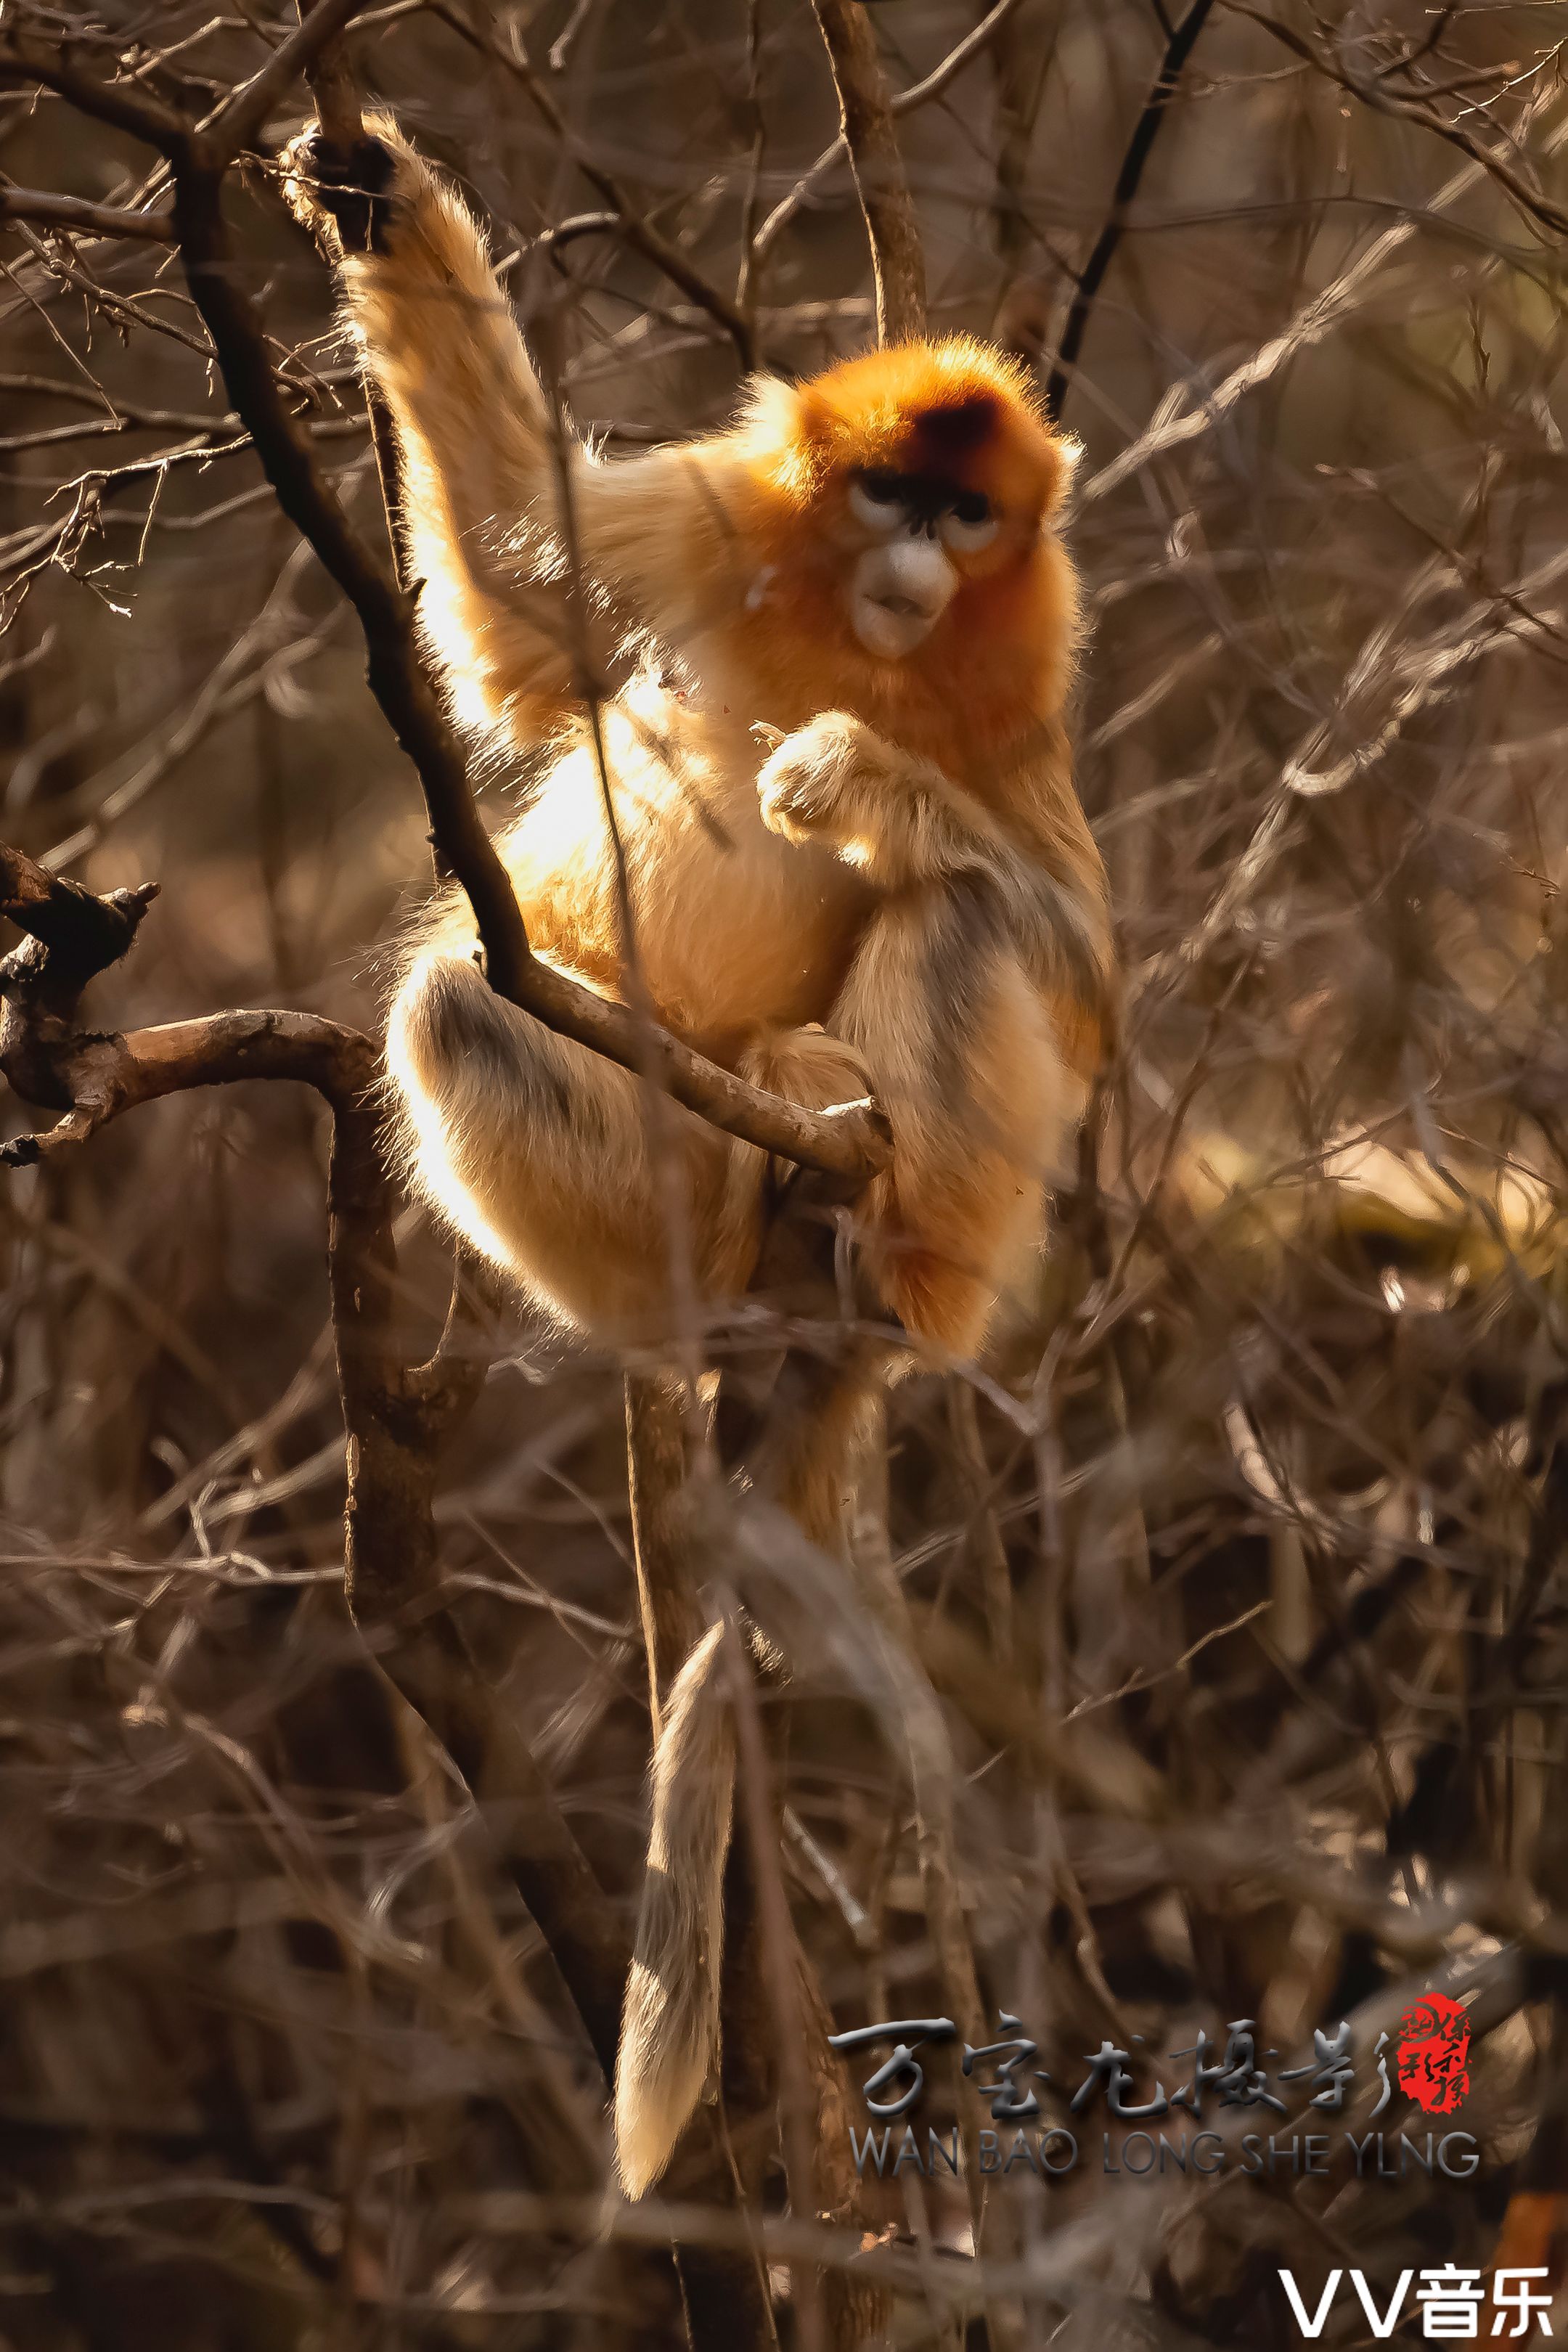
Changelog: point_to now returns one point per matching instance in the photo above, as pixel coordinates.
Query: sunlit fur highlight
(844, 871)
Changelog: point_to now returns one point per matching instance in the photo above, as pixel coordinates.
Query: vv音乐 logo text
(1453, 2303)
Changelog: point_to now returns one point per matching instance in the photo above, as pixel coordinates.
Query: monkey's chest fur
(736, 930)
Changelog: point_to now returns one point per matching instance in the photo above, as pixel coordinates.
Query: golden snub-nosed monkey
(853, 852)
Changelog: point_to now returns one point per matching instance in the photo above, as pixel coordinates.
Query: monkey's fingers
(344, 194)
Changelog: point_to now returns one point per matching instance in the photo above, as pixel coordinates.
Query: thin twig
(1529, 201)
(635, 227)
(1178, 49)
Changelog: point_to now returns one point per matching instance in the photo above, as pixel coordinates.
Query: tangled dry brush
(1207, 1661)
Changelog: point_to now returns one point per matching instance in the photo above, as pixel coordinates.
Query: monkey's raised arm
(481, 489)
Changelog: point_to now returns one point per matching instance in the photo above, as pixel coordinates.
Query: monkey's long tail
(670, 2025)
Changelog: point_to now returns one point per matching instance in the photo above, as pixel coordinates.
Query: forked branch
(394, 1413)
(851, 1141)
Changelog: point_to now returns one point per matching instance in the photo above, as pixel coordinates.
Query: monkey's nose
(915, 579)
(898, 593)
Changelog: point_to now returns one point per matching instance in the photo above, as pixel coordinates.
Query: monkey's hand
(353, 199)
(893, 815)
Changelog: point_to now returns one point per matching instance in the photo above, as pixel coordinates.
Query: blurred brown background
(1269, 1487)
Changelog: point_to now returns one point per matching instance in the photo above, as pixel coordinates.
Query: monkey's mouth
(896, 595)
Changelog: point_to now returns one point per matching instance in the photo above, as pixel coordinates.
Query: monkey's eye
(969, 522)
(878, 500)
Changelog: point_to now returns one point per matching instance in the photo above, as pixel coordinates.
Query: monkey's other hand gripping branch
(345, 195)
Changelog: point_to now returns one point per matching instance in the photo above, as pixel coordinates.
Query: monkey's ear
(774, 408)
(783, 427)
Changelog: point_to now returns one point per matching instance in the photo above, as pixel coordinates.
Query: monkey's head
(924, 477)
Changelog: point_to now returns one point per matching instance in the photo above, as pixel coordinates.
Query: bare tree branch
(631, 221)
(881, 182)
(1178, 49)
(1531, 202)
(47, 211)
(24, 57)
(921, 93)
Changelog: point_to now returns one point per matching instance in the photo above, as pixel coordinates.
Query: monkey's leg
(539, 1151)
(965, 1064)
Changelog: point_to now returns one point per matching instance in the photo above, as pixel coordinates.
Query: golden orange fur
(908, 869)
(853, 851)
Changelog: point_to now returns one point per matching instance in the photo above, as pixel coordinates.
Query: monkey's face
(904, 514)
(909, 528)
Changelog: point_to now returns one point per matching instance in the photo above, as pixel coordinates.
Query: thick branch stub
(84, 934)
(72, 936)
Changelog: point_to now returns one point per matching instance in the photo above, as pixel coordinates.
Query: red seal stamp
(1434, 2054)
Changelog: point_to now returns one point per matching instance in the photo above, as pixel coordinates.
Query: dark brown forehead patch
(955, 428)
